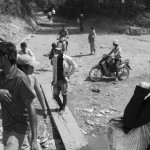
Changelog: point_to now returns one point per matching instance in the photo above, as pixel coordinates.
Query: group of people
(51, 14)
(19, 87)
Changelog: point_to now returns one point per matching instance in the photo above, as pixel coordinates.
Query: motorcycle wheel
(95, 74)
(124, 73)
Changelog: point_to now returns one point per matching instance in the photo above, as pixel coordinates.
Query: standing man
(53, 13)
(91, 38)
(81, 21)
(63, 68)
(25, 50)
(16, 98)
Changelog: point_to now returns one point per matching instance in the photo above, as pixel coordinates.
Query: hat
(26, 60)
(116, 42)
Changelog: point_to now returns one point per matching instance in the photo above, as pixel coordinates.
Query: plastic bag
(136, 139)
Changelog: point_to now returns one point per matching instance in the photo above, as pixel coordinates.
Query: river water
(98, 142)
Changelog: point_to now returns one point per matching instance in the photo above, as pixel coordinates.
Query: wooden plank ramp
(70, 133)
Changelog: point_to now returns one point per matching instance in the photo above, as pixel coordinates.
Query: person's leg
(91, 48)
(64, 89)
(94, 49)
(12, 140)
(56, 92)
(66, 45)
(132, 113)
(117, 62)
(81, 26)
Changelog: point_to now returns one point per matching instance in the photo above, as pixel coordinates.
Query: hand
(5, 96)
(34, 145)
(45, 113)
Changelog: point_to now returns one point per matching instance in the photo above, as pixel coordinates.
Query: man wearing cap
(26, 64)
(118, 55)
(16, 98)
(63, 68)
(25, 50)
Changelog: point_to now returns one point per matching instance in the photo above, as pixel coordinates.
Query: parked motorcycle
(97, 72)
(62, 42)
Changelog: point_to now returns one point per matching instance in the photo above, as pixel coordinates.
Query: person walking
(52, 52)
(91, 38)
(53, 13)
(63, 68)
(26, 64)
(81, 21)
(16, 98)
(25, 50)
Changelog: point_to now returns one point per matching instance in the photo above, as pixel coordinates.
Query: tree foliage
(16, 7)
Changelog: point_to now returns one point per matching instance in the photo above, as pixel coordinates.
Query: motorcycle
(62, 43)
(97, 72)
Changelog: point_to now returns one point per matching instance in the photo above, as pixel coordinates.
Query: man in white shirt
(53, 13)
(25, 50)
(63, 68)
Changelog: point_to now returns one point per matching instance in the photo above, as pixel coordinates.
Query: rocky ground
(92, 110)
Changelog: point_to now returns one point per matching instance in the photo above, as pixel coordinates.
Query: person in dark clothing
(81, 21)
(137, 111)
(63, 68)
(52, 53)
(16, 98)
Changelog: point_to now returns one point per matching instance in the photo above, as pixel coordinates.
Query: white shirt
(27, 51)
(53, 11)
(69, 66)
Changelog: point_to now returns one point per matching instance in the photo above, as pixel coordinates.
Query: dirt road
(84, 104)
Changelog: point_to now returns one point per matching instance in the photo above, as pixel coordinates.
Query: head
(58, 51)
(8, 54)
(92, 27)
(115, 43)
(26, 64)
(54, 45)
(23, 46)
(64, 27)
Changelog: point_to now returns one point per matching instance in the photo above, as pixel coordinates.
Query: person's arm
(33, 124)
(110, 52)
(73, 66)
(40, 97)
(58, 36)
(31, 54)
(26, 96)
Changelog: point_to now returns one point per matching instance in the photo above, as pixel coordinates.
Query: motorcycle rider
(117, 56)
(63, 34)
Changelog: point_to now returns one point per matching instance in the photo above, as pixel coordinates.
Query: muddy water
(98, 142)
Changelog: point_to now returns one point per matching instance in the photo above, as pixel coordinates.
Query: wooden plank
(66, 125)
